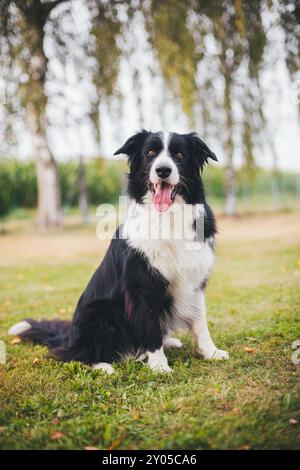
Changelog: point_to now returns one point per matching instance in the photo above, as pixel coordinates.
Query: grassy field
(248, 402)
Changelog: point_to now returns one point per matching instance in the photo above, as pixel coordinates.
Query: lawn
(248, 402)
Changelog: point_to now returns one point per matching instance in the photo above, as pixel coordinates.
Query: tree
(93, 53)
(204, 47)
(23, 28)
(289, 14)
(183, 33)
(23, 24)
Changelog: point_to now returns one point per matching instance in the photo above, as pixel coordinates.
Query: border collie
(146, 286)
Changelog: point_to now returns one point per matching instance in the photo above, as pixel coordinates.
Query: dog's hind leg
(105, 366)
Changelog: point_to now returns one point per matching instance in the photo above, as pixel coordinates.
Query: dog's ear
(201, 152)
(133, 144)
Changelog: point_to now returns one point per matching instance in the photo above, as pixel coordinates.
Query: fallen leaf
(293, 421)
(16, 340)
(91, 448)
(249, 350)
(55, 420)
(56, 435)
(36, 361)
(115, 444)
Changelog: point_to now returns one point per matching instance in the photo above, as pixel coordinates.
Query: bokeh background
(77, 78)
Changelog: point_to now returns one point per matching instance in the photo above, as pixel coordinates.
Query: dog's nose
(163, 171)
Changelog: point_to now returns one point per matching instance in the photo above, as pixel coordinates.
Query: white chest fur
(167, 239)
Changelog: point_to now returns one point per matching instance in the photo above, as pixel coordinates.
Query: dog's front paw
(220, 354)
(160, 367)
(216, 354)
(105, 367)
(170, 343)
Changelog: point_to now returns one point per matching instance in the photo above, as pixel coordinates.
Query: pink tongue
(162, 197)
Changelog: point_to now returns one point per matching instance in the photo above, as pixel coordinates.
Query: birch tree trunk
(230, 179)
(83, 197)
(49, 198)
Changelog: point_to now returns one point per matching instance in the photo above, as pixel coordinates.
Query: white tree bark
(230, 196)
(49, 197)
(230, 180)
(83, 197)
(49, 208)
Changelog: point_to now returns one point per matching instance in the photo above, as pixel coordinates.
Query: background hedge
(18, 187)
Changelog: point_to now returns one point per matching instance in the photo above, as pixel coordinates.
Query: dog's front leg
(144, 309)
(157, 360)
(206, 346)
(153, 343)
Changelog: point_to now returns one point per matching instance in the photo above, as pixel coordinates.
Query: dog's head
(166, 165)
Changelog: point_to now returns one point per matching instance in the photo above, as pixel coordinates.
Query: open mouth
(163, 195)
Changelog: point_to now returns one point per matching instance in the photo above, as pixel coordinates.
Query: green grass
(246, 402)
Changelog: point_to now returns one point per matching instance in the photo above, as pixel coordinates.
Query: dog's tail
(51, 333)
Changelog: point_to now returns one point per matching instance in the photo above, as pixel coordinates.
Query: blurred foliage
(170, 37)
(290, 22)
(18, 185)
(18, 188)
(104, 49)
(260, 182)
(182, 34)
(24, 28)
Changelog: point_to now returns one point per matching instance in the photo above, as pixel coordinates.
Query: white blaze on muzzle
(164, 177)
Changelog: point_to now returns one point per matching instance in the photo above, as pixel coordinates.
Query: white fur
(105, 366)
(206, 346)
(164, 159)
(19, 328)
(170, 343)
(158, 361)
(182, 260)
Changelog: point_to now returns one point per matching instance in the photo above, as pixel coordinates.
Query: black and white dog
(146, 286)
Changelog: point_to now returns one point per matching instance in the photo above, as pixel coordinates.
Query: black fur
(120, 312)
(125, 306)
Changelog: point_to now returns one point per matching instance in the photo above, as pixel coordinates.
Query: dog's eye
(179, 155)
(151, 153)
